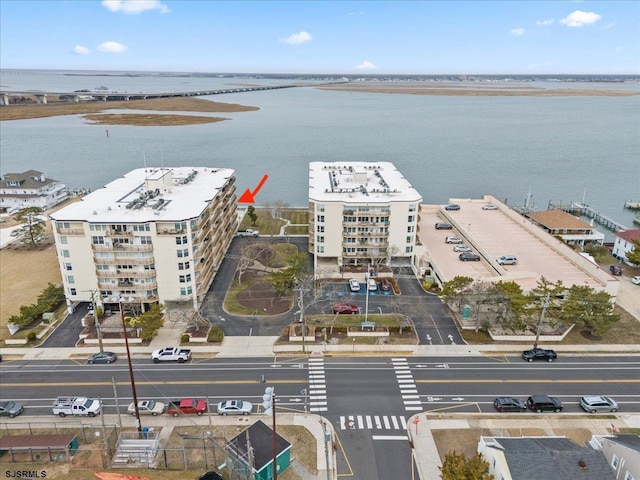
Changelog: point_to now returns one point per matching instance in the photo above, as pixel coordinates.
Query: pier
(582, 209)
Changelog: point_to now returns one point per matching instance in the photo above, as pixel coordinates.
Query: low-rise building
(154, 235)
(30, 189)
(564, 225)
(624, 243)
(533, 458)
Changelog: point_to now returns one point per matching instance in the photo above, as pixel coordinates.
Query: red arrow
(248, 196)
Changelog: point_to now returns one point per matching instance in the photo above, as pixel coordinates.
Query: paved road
(368, 400)
(68, 332)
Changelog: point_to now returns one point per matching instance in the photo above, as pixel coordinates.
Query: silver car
(598, 404)
(235, 407)
(461, 248)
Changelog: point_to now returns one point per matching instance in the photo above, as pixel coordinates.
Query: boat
(632, 205)
(636, 219)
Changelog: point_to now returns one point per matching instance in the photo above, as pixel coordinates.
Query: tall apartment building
(156, 235)
(361, 214)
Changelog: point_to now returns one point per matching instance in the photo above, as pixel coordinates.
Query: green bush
(185, 338)
(31, 336)
(216, 335)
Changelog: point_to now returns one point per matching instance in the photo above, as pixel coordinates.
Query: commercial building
(154, 235)
(361, 214)
(30, 189)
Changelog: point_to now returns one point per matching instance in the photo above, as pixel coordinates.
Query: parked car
(235, 407)
(147, 407)
(543, 403)
(385, 285)
(453, 240)
(102, 357)
(598, 404)
(354, 285)
(509, 404)
(452, 206)
(490, 206)
(461, 248)
(372, 285)
(443, 226)
(508, 260)
(187, 406)
(11, 409)
(615, 270)
(345, 308)
(636, 279)
(469, 257)
(539, 354)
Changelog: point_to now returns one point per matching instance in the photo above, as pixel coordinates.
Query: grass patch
(345, 321)
(231, 303)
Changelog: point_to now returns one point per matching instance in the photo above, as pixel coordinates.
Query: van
(372, 285)
(508, 260)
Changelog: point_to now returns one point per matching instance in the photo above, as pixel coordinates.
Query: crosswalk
(407, 384)
(317, 385)
(373, 422)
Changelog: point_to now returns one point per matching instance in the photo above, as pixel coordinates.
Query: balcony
(122, 247)
(170, 231)
(118, 233)
(70, 231)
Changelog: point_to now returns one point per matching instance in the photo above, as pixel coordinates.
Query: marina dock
(581, 209)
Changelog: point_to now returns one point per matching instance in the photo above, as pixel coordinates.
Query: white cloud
(81, 50)
(580, 19)
(111, 47)
(298, 38)
(608, 26)
(516, 32)
(366, 65)
(134, 7)
(545, 23)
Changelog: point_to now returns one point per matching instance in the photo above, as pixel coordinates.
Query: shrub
(216, 335)
(31, 336)
(185, 338)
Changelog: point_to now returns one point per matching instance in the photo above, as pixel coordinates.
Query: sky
(315, 37)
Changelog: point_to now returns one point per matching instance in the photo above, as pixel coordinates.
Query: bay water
(559, 148)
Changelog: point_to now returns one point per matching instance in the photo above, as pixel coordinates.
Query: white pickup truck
(171, 354)
(64, 406)
(248, 233)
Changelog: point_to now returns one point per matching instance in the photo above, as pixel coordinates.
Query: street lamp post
(133, 383)
(95, 318)
(366, 301)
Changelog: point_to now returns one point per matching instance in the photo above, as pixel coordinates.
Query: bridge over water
(109, 95)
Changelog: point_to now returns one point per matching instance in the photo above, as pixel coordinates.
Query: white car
(453, 240)
(461, 248)
(490, 206)
(636, 279)
(147, 407)
(235, 407)
(354, 285)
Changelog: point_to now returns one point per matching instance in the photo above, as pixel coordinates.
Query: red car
(345, 308)
(187, 406)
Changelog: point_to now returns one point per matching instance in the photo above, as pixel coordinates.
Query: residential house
(623, 243)
(30, 189)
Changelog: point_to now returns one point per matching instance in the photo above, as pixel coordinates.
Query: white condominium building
(361, 214)
(154, 235)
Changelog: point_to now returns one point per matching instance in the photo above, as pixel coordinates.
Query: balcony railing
(70, 231)
(122, 247)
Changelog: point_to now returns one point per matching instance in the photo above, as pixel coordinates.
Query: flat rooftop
(359, 182)
(494, 233)
(149, 195)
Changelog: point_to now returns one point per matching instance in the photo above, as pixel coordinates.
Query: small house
(34, 448)
(253, 450)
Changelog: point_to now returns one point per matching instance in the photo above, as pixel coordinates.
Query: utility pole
(304, 325)
(545, 305)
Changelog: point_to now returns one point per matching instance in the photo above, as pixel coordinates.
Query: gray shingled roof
(261, 437)
(630, 440)
(554, 458)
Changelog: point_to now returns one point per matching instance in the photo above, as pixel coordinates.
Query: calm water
(464, 147)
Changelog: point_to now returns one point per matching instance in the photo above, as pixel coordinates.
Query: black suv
(615, 270)
(539, 354)
(542, 403)
(509, 404)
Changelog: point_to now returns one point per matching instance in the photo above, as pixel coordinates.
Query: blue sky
(432, 37)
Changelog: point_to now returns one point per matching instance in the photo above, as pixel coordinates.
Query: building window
(183, 266)
(145, 240)
(180, 226)
(63, 240)
(96, 227)
(97, 240)
(320, 238)
(320, 207)
(320, 218)
(320, 228)
(70, 279)
(411, 228)
(150, 267)
(409, 238)
(185, 278)
(320, 249)
(183, 253)
(181, 240)
(67, 267)
(411, 218)
(65, 254)
(614, 462)
(412, 208)
(628, 476)
(186, 291)
(408, 250)
(72, 291)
